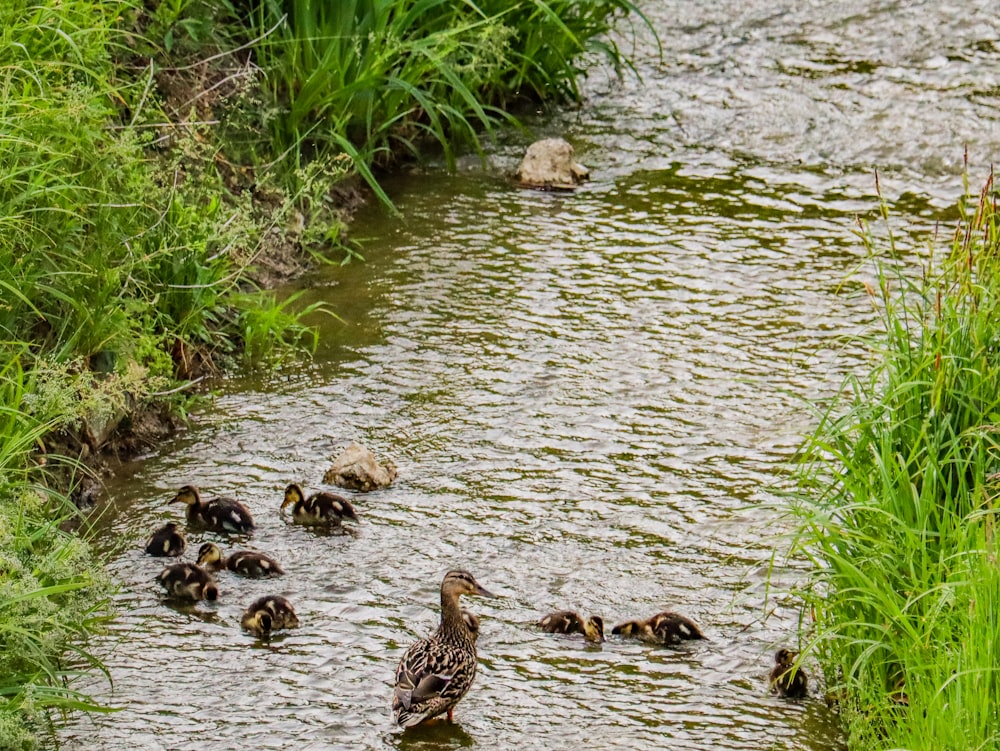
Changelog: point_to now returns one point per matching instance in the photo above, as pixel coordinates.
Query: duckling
(186, 581)
(216, 514)
(267, 614)
(168, 540)
(662, 628)
(436, 672)
(319, 508)
(243, 562)
(786, 679)
(568, 622)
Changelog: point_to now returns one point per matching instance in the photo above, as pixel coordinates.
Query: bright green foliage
(51, 594)
(898, 512)
(373, 78)
(101, 247)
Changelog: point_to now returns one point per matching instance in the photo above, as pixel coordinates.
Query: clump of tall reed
(897, 505)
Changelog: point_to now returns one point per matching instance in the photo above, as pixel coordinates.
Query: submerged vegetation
(898, 510)
(160, 164)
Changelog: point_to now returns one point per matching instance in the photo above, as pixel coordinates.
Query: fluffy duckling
(186, 581)
(786, 679)
(436, 672)
(663, 628)
(267, 614)
(568, 622)
(319, 508)
(243, 562)
(216, 514)
(167, 541)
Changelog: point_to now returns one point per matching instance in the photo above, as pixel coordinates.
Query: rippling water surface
(589, 398)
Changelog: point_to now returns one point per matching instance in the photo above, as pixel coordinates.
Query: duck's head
(210, 592)
(785, 657)
(259, 623)
(458, 582)
(593, 628)
(293, 494)
(187, 495)
(209, 553)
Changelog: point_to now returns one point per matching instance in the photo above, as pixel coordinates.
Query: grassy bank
(160, 165)
(898, 505)
(52, 594)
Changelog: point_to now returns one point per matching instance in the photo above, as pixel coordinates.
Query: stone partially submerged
(549, 165)
(357, 469)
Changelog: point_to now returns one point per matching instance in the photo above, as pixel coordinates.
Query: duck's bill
(483, 592)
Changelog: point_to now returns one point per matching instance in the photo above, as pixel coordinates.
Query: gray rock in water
(549, 164)
(357, 469)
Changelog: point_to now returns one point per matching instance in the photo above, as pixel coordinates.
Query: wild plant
(897, 504)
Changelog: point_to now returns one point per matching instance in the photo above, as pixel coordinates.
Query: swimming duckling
(168, 540)
(186, 581)
(436, 672)
(786, 680)
(568, 622)
(267, 614)
(216, 514)
(662, 628)
(319, 508)
(243, 562)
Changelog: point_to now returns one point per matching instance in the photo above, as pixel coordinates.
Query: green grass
(52, 594)
(897, 505)
(375, 79)
(103, 243)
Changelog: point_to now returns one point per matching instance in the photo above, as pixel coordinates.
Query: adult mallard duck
(267, 614)
(319, 508)
(167, 541)
(663, 628)
(243, 562)
(216, 514)
(568, 622)
(186, 581)
(436, 672)
(786, 679)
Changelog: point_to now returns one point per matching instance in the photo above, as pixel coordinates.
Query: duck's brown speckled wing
(670, 628)
(787, 681)
(430, 679)
(258, 565)
(562, 622)
(227, 515)
(328, 507)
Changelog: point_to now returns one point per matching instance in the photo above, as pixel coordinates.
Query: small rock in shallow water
(357, 469)
(549, 164)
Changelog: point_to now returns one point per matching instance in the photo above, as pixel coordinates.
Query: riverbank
(161, 167)
(897, 510)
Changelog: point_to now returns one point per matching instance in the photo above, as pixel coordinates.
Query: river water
(591, 398)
